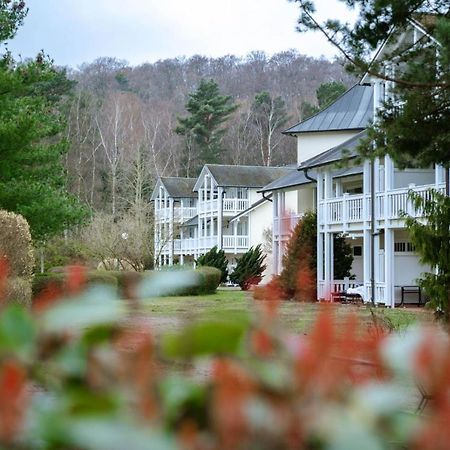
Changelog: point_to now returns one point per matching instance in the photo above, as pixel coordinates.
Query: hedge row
(205, 280)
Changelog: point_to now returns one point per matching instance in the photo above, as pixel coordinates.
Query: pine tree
(203, 128)
(431, 239)
(215, 258)
(249, 269)
(32, 176)
(299, 275)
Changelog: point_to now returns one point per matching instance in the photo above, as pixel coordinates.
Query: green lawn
(294, 317)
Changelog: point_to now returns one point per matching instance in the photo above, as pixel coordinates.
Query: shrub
(61, 252)
(18, 291)
(298, 277)
(42, 281)
(15, 244)
(249, 268)
(210, 279)
(215, 258)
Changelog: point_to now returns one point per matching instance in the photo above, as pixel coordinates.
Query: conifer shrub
(299, 275)
(16, 248)
(249, 268)
(215, 258)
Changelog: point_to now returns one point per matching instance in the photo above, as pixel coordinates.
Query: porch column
(328, 259)
(328, 185)
(171, 231)
(235, 224)
(389, 267)
(366, 262)
(319, 261)
(220, 218)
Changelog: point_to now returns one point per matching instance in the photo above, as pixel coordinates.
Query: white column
(328, 185)
(235, 235)
(220, 218)
(319, 259)
(327, 263)
(366, 260)
(171, 231)
(389, 267)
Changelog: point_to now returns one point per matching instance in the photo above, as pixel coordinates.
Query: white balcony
(351, 209)
(180, 215)
(231, 206)
(197, 245)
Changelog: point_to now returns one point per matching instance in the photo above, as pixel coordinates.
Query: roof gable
(353, 110)
(176, 187)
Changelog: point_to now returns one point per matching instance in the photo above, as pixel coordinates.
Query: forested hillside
(122, 120)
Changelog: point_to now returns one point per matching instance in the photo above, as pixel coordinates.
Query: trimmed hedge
(206, 281)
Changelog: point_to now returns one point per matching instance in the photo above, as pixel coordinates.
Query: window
(357, 250)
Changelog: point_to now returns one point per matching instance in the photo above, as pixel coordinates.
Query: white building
(348, 202)
(194, 215)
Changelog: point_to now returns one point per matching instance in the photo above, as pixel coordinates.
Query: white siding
(312, 144)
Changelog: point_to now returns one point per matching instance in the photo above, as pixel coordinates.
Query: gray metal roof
(353, 110)
(246, 176)
(177, 187)
(293, 178)
(347, 149)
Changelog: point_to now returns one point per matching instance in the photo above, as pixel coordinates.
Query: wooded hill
(122, 120)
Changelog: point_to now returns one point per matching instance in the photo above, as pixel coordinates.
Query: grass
(293, 316)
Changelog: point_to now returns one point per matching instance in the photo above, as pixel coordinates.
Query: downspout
(308, 177)
(266, 198)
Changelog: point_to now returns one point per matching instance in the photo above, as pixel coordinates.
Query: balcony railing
(350, 209)
(179, 214)
(231, 206)
(195, 245)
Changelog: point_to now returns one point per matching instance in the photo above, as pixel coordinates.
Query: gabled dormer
(174, 198)
(347, 116)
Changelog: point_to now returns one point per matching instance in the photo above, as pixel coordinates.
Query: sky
(76, 31)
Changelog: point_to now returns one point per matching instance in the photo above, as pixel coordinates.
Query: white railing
(325, 289)
(179, 214)
(284, 225)
(234, 205)
(357, 208)
(235, 242)
(195, 245)
(208, 206)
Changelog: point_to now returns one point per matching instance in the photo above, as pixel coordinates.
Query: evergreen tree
(203, 128)
(326, 94)
(215, 258)
(249, 269)
(413, 126)
(32, 177)
(432, 241)
(299, 275)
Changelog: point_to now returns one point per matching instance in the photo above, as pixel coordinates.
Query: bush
(16, 245)
(298, 277)
(59, 252)
(205, 280)
(249, 268)
(18, 291)
(215, 258)
(42, 281)
(210, 279)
